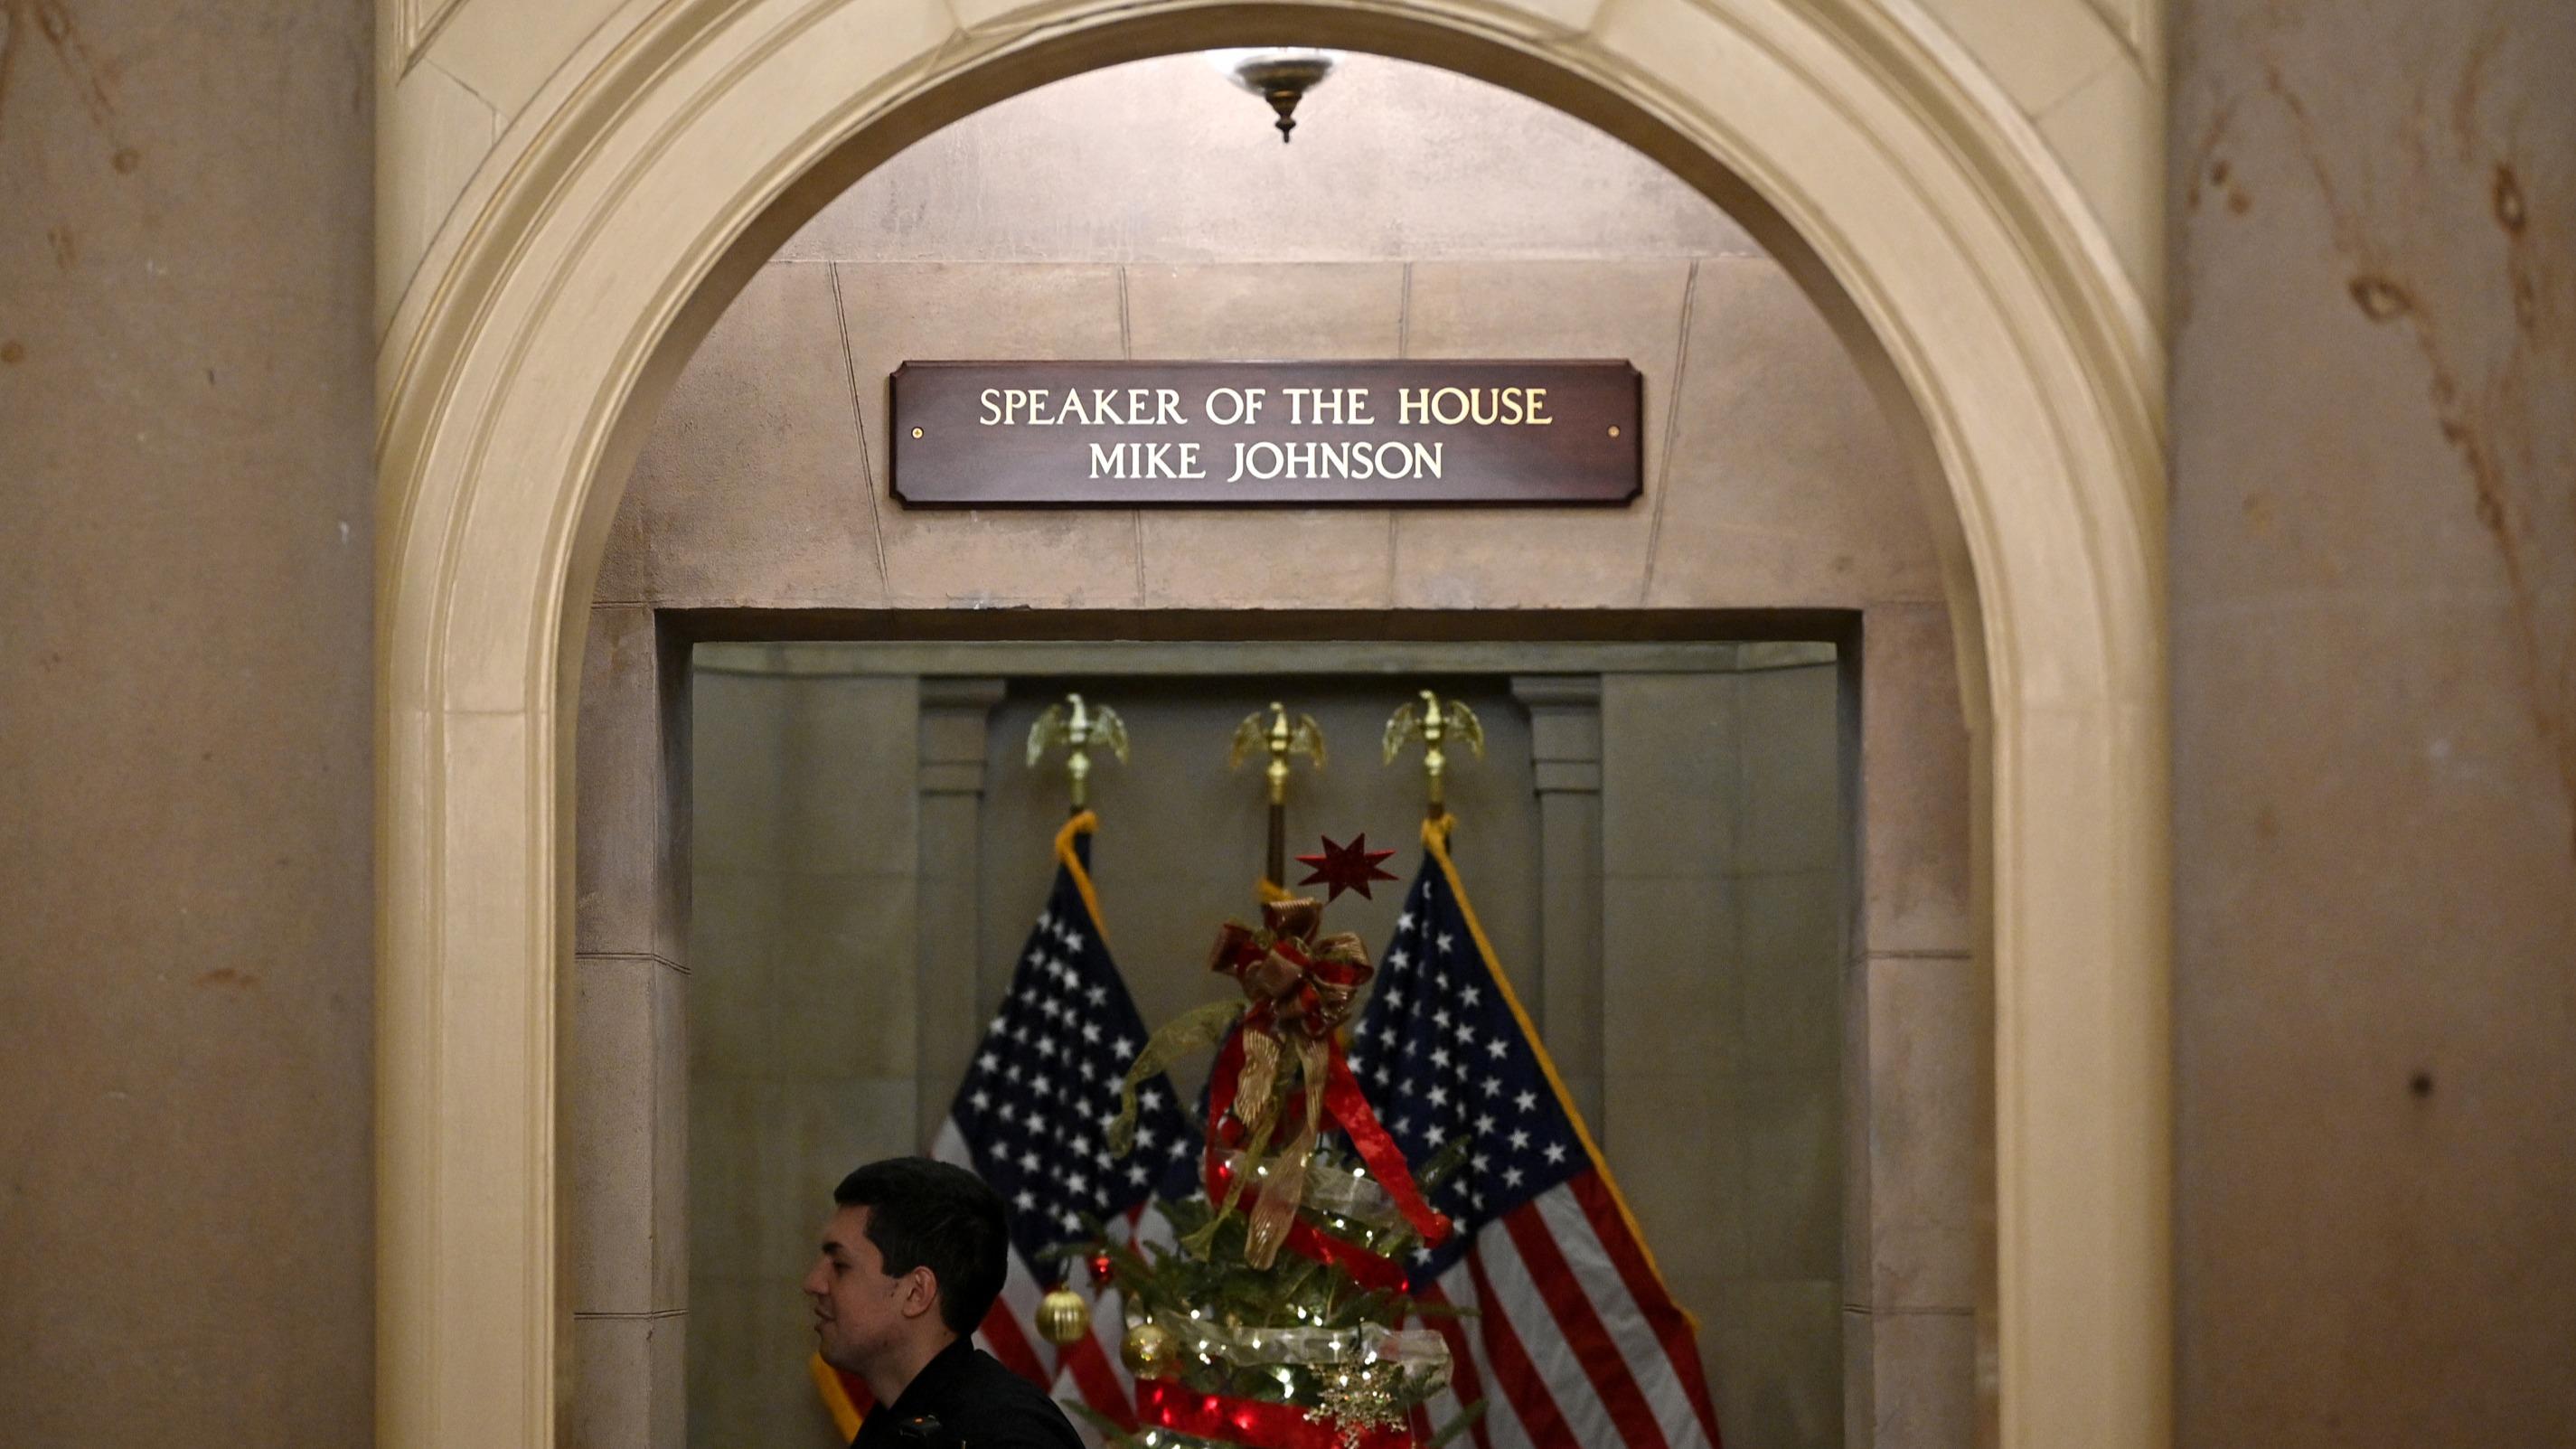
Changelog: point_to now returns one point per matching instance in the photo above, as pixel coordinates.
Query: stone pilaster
(955, 715)
(1565, 758)
(625, 1102)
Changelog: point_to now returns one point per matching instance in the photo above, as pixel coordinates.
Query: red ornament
(1100, 1266)
(1346, 867)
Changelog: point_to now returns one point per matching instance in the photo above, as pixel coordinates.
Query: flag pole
(1438, 723)
(1279, 738)
(1077, 728)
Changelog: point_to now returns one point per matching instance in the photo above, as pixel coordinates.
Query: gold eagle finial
(1436, 724)
(1078, 728)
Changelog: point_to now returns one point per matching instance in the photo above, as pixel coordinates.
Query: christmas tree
(1276, 1319)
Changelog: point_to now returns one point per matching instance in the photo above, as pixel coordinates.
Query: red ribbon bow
(1304, 986)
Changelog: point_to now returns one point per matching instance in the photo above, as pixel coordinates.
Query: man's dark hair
(925, 1213)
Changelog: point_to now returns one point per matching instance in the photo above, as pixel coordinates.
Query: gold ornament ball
(1063, 1318)
(1147, 1351)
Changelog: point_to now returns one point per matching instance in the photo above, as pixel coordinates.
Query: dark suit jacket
(974, 1401)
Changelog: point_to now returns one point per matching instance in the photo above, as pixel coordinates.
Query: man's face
(859, 1311)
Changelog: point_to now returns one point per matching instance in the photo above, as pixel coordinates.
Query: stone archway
(670, 157)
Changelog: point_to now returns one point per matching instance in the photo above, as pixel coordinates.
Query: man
(910, 1263)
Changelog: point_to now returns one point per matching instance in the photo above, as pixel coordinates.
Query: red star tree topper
(1346, 867)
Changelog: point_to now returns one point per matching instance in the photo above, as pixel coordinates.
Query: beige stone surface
(2374, 533)
(1167, 161)
(1925, 1396)
(625, 897)
(756, 455)
(1769, 408)
(186, 870)
(2107, 133)
(2038, 53)
(1629, 309)
(627, 1380)
(502, 52)
(751, 489)
(1339, 557)
(1268, 309)
(964, 559)
(431, 141)
(1924, 1125)
(626, 1106)
(1916, 860)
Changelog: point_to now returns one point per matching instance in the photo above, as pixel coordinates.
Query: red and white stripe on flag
(1571, 1339)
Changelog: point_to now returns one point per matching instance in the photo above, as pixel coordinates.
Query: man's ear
(920, 1292)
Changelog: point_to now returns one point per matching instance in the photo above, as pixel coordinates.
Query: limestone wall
(2374, 583)
(186, 526)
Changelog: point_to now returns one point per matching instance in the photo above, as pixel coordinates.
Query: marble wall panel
(1769, 409)
(1925, 1104)
(1924, 1389)
(1228, 558)
(626, 1382)
(1914, 753)
(1501, 558)
(609, 1100)
(2374, 535)
(1750, 1233)
(842, 990)
(754, 454)
(962, 559)
(627, 896)
(187, 652)
(850, 744)
(1673, 988)
(1690, 1205)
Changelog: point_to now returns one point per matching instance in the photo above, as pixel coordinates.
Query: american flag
(1030, 1118)
(1574, 1339)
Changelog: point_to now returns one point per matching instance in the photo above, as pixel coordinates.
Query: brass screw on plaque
(1614, 431)
(917, 432)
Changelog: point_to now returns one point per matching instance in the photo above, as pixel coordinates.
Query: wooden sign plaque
(1305, 434)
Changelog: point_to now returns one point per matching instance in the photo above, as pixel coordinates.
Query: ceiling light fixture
(1278, 75)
